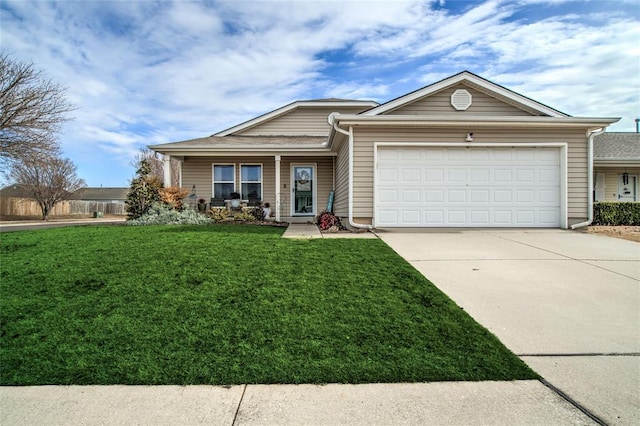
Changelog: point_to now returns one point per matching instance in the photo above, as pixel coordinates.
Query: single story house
(108, 195)
(461, 152)
(616, 166)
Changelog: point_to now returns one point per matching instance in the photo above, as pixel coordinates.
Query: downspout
(592, 134)
(350, 135)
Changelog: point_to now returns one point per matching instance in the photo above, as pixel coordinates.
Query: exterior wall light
(469, 137)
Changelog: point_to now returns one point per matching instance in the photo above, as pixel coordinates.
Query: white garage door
(468, 187)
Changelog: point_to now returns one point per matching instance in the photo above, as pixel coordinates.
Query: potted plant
(235, 200)
(202, 205)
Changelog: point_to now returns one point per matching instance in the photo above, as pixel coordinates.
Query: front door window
(303, 186)
(627, 187)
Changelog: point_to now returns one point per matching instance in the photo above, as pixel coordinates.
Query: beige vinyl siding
(611, 179)
(366, 137)
(341, 199)
(304, 121)
(439, 103)
(198, 171)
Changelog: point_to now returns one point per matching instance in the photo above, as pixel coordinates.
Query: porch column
(167, 170)
(277, 204)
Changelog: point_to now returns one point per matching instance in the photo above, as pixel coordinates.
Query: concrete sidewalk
(451, 403)
(23, 225)
(309, 231)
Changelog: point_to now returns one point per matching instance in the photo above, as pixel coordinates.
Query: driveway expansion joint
(585, 261)
(586, 354)
(573, 402)
(235, 416)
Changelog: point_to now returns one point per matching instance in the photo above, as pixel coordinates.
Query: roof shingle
(617, 146)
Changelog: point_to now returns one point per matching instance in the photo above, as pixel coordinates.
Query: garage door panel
(410, 196)
(434, 217)
(502, 217)
(480, 217)
(479, 176)
(502, 196)
(456, 217)
(525, 196)
(434, 176)
(456, 155)
(482, 186)
(411, 217)
(387, 175)
(410, 175)
(526, 176)
(479, 195)
(434, 196)
(387, 217)
(548, 175)
(480, 155)
(457, 175)
(550, 196)
(456, 196)
(502, 175)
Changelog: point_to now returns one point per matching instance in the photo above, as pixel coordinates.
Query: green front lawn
(227, 305)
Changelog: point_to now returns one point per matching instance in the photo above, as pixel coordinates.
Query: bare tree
(47, 179)
(32, 109)
(157, 166)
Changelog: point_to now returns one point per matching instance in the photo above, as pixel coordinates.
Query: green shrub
(610, 213)
(144, 191)
(159, 214)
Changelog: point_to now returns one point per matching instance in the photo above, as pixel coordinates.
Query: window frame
(213, 178)
(261, 181)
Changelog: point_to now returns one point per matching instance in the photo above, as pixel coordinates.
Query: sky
(148, 72)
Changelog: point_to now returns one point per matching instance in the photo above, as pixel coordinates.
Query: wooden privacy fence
(11, 206)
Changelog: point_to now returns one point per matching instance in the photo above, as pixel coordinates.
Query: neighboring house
(108, 195)
(616, 164)
(15, 191)
(462, 152)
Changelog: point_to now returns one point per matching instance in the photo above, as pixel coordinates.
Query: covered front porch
(296, 187)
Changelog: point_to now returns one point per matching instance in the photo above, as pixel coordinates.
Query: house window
(224, 181)
(251, 181)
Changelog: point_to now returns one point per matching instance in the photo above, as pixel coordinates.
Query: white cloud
(151, 72)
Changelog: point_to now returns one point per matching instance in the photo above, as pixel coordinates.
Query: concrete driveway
(568, 303)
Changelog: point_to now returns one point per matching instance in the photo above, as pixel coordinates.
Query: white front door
(303, 190)
(627, 187)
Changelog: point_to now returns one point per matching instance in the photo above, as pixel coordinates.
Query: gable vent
(461, 99)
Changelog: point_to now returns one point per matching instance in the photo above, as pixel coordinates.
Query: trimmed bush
(159, 214)
(614, 214)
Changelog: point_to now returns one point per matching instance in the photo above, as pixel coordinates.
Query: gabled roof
(292, 106)
(99, 194)
(15, 190)
(223, 142)
(474, 81)
(620, 146)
